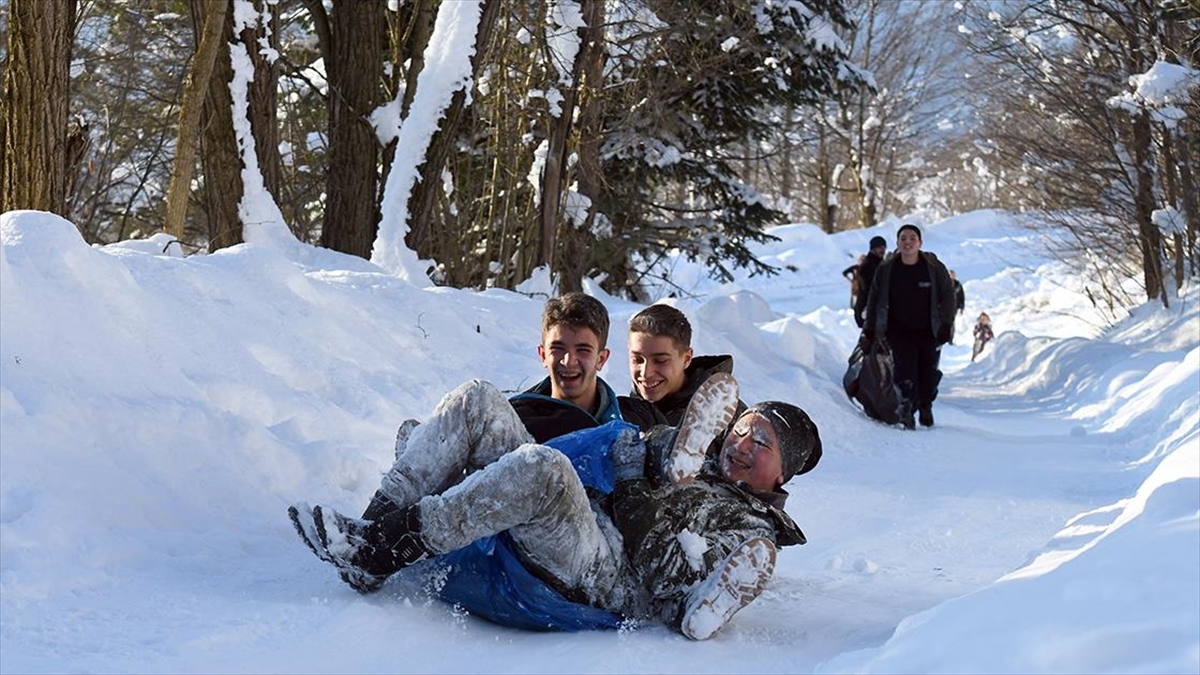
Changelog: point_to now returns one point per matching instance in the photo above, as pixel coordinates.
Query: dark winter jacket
(941, 296)
(866, 277)
(547, 417)
(723, 513)
(641, 413)
(674, 405)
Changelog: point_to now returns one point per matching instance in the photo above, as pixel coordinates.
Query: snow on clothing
(670, 409)
(675, 535)
(527, 505)
(542, 416)
(531, 493)
(913, 306)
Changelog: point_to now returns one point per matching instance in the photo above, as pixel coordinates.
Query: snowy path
(148, 460)
(897, 521)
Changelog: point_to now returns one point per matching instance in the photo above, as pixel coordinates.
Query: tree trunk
(1149, 237)
(408, 45)
(590, 85)
(825, 182)
(555, 175)
(263, 105)
(864, 175)
(219, 157)
(1167, 167)
(1187, 245)
(34, 106)
(355, 68)
(190, 108)
(1191, 207)
(421, 213)
(787, 168)
(586, 88)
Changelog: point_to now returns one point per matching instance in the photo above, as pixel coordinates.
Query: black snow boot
(926, 416)
(364, 552)
(396, 542)
(310, 525)
(380, 506)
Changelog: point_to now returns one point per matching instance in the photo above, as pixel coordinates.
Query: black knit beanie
(799, 441)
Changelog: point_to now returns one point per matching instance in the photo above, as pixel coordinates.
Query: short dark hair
(909, 226)
(577, 310)
(663, 321)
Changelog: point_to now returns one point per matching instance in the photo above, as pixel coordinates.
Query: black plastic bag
(869, 380)
(850, 379)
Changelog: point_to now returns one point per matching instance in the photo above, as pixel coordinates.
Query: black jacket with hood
(671, 408)
(942, 307)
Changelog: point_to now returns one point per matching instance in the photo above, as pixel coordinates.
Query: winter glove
(658, 442)
(629, 456)
(945, 332)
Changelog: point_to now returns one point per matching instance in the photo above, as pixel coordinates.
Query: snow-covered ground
(158, 414)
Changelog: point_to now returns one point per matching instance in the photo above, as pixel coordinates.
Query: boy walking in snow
(472, 471)
(865, 274)
(911, 308)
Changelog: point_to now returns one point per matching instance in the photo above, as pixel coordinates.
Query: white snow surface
(158, 413)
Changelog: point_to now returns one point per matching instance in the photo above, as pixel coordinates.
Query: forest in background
(592, 137)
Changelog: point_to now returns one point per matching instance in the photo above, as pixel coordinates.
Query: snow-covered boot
(367, 552)
(338, 541)
(306, 520)
(301, 515)
(403, 433)
(709, 412)
(735, 583)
